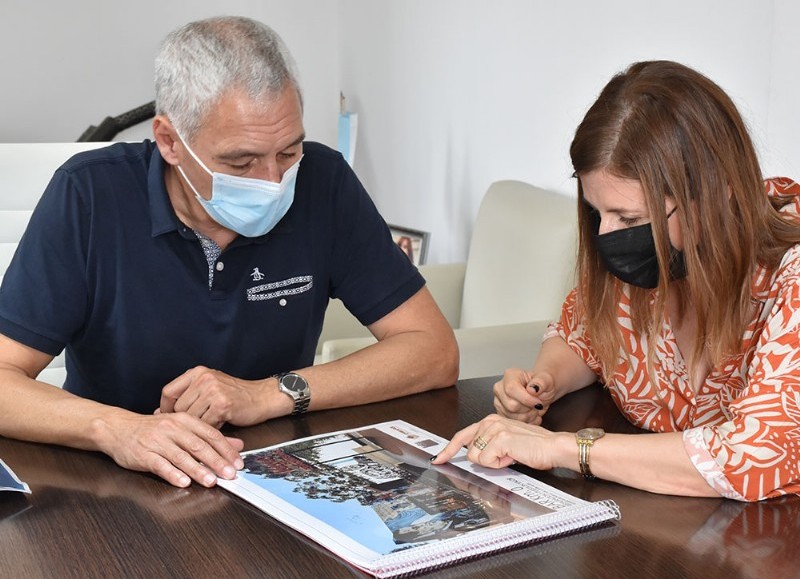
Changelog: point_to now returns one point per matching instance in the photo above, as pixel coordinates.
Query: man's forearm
(40, 412)
(400, 365)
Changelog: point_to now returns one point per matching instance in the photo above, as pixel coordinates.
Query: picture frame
(413, 242)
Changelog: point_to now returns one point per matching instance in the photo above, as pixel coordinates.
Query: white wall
(781, 144)
(451, 94)
(455, 94)
(68, 65)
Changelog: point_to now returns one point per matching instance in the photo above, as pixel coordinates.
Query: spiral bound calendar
(371, 497)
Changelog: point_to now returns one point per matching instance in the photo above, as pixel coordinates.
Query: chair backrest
(25, 171)
(444, 281)
(521, 257)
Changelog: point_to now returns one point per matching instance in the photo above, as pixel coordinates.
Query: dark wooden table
(89, 518)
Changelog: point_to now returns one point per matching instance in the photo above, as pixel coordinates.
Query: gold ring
(479, 443)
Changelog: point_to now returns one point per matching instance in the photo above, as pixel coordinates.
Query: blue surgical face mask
(250, 207)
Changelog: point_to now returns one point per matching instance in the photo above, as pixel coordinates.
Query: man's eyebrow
(236, 154)
(297, 141)
(241, 153)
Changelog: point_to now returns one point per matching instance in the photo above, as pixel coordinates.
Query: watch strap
(583, 457)
(301, 404)
(586, 438)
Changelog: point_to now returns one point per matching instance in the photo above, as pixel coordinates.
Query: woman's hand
(497, 442)
(523, 395)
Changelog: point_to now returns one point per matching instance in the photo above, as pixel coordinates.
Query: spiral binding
(456, 549)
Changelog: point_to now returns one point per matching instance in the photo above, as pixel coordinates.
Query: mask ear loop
(185, 178)
(199, 162)
(195, 157)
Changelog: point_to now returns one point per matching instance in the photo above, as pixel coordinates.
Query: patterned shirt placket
(212, 252)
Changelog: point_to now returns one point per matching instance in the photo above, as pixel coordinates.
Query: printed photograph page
(372, 492)
(10, 481)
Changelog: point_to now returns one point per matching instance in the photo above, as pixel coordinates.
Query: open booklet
(371, 496)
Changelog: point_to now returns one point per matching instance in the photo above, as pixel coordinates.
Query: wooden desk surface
(89, 518)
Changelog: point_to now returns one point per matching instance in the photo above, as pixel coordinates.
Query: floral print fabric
(741, 429)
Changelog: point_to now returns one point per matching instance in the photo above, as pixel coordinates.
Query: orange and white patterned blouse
(741, 430)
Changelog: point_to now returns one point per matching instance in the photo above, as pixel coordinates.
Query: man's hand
(177, 447)
(216, 398)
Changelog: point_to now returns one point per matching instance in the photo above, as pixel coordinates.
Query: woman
(404, 242)
(687, 306)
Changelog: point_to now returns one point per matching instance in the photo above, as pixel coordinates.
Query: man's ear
(166, 138)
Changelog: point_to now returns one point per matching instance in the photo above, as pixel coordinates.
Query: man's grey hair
(200, 61)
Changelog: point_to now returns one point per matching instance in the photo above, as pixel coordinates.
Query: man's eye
(287, 155)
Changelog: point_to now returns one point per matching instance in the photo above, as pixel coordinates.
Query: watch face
(294, 382)
(590, 433)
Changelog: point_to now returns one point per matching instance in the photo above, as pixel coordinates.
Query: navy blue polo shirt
(107, 271)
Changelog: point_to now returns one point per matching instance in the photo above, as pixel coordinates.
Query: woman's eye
(629, 221)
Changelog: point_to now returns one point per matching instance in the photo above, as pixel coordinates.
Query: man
(183, 276)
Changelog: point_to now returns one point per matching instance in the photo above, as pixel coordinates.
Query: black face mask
(630, 254)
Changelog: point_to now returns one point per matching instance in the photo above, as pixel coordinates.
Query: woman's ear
(166, 138)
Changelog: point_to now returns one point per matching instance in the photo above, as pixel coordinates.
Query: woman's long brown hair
(680, 136)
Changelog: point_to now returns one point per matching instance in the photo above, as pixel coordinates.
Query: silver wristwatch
(296, 387)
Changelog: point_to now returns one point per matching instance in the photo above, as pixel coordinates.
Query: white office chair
(518, 272)
(25, 171)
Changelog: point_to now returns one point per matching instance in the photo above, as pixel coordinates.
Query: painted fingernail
(535, 387)
(434, 457)
(538, 407)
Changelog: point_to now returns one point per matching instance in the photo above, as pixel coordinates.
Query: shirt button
(282, 302)
(220, 266)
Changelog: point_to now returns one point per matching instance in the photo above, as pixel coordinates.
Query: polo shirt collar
(162, 215)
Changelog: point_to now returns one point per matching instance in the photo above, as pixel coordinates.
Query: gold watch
(586, 438)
